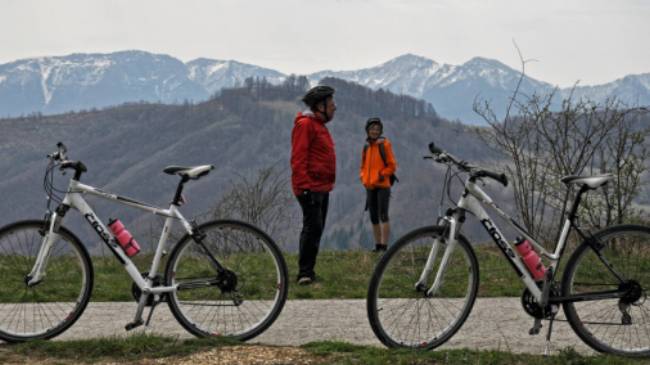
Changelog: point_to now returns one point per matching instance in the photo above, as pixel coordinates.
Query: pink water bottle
(124, 237)
(531, 258)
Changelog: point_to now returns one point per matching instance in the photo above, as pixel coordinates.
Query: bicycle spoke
(402, 316)
(244, 299)
(599, 321)
(49, 307)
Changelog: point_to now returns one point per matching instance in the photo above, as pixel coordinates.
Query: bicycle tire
(602, 324)
(393, 301)
(261, 284)
(48, 308)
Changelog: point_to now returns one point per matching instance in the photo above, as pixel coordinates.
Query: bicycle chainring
(533, 308)
(136, 292)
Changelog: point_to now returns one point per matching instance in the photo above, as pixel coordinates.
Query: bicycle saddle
(591, 181)
(191, 172)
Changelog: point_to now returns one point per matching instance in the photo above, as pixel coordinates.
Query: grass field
(340, 274)
(143, 348)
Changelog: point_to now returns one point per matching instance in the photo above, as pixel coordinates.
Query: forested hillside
(240, 131)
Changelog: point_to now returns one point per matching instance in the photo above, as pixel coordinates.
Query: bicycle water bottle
(531, 258)
(124, 237)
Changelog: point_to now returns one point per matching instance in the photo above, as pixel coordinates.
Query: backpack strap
(365, 149)
(382, 152)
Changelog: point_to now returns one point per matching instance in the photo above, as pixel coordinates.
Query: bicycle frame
(472, 200)
(74, 199)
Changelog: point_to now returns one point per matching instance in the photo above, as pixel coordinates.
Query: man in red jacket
(313, 172)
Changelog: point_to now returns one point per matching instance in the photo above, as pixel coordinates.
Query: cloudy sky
(591, 41)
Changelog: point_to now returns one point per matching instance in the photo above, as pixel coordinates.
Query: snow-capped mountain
(83, 81)
(407, 74)
(632, 90)
(214, 75)
(450, 88)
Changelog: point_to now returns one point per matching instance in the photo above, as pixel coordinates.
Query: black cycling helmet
(317, 94)
(374, 120)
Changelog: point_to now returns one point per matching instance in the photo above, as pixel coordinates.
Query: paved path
(495, 323)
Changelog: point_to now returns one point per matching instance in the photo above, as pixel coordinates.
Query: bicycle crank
(136, 292)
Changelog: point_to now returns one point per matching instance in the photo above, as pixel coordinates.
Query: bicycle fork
(451, 227)
(50, 236)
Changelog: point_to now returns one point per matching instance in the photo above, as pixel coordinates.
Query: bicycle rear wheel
(241, 303)
(614, 325)
(48, 308)
(403, 316)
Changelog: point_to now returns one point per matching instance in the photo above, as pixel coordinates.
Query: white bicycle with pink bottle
(222, 278)
(424, 287)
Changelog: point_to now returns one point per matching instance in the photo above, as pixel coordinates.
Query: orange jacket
(373, 168)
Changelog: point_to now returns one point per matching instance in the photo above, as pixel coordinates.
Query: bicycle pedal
(536, 328)
(133, 325)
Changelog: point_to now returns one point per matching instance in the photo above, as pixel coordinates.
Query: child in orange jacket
(377, 173)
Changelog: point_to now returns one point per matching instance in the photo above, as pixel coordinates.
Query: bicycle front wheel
(47, 308)
(240, 303)
(402, 315)
(614, 325)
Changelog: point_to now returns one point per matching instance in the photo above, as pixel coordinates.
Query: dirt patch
(249, 355)
(231, 355)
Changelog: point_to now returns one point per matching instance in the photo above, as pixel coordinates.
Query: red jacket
(313, 159)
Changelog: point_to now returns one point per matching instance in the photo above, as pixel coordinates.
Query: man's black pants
(314, 213)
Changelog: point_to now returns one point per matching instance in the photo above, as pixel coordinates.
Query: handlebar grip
(435, 150)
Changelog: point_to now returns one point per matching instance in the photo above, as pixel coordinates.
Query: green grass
(127, 349)
(344, 353)
(141, 347)
(340, 275)
(346, 275)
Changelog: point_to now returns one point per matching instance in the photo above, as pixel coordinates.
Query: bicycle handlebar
(501, 178)
(444, 157)
(60, 156)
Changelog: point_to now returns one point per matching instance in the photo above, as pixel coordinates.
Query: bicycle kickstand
(547, 347)
(554, 308)
(153, 306)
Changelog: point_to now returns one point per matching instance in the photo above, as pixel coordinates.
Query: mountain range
(75, 82)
